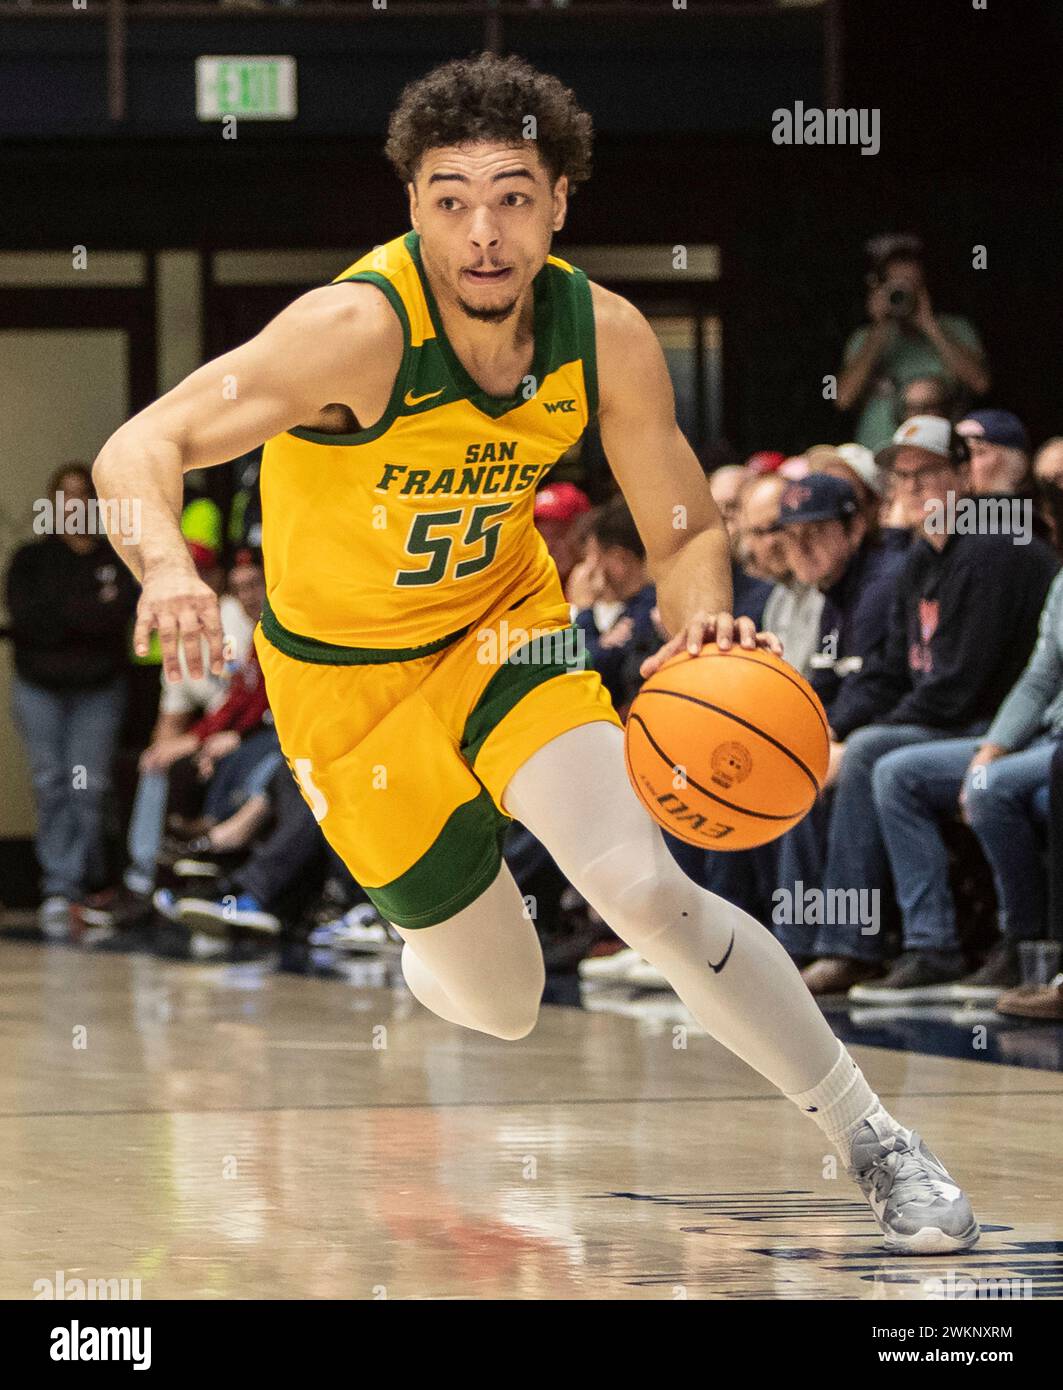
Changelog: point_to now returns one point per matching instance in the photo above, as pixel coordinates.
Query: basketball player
(414, 640)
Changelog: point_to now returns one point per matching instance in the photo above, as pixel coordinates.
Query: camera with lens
(900, 300)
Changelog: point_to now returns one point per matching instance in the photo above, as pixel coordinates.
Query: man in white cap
(856, 466)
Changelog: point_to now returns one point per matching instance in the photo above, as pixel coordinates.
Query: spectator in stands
(856, 466)
(1048, 462)
(1000, 451)
(1048, 489)
(1046, 1001)
(764, 461)
(793, 609)
(615, 599)
(726, 487)
(996, 778)
(905, 339)
(749, 594)
(230, 755)
(828, 545)
(926, 395)
(558, 509)
(179, 705)
(281, 869)
(794, 468)
(71, 602)
(962, 627)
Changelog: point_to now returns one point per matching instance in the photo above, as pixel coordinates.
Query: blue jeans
(243, 773)
(744, 877)
(146, 826)
(1005, 815)
(856, 859)
(915, 787)
(70, 738)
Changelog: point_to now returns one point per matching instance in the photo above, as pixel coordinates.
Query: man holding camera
(904, 340)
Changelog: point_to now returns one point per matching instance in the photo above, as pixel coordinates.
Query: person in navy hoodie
(825, 536)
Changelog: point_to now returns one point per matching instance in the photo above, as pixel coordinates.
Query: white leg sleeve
(483, 967)
(735, 978)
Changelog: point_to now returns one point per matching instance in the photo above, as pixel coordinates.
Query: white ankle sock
(840, 1103)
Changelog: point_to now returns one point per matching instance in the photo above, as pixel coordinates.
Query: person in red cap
(558, 509)
(765, 461)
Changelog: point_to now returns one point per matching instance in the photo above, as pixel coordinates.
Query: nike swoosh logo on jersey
(416, 400)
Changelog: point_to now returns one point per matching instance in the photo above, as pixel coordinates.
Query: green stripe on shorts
(537, 661)
(460, 864)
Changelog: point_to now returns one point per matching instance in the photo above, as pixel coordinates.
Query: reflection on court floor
(225, 1131)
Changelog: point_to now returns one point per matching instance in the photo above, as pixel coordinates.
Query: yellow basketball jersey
(387, 542)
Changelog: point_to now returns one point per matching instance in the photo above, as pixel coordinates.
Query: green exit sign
(256, 88)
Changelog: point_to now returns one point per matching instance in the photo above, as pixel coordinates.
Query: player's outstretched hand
(183, 610)
(721, 628)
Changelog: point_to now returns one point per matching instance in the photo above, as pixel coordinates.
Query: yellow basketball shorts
(403, 757)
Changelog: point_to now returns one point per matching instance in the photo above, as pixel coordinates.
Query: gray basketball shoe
(918, 1206)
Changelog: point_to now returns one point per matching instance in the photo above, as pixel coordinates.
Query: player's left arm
(687, 549)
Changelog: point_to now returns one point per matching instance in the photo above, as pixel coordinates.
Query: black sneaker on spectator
(916, 977)
(998, 972)
(131, 909)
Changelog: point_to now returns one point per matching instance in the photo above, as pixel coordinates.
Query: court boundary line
(493, 1104)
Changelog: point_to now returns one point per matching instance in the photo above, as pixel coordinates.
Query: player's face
(486, 214)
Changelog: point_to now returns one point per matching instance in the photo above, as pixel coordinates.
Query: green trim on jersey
(330, 654)
(394, 405)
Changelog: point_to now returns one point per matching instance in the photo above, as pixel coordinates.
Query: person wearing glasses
(792, 607)
(963, 624)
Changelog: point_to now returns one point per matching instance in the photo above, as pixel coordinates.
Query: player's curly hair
(488, 97)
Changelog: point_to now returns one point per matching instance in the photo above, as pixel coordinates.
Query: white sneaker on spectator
(216, 916)
(609, 970)
(646, 976)
(53, 918)
(360, 931)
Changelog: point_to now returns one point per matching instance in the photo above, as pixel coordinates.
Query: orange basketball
(727, 750)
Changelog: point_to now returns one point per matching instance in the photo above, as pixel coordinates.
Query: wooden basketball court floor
(228, 1132)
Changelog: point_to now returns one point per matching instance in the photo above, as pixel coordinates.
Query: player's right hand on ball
(175, 603)
(721, 628)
